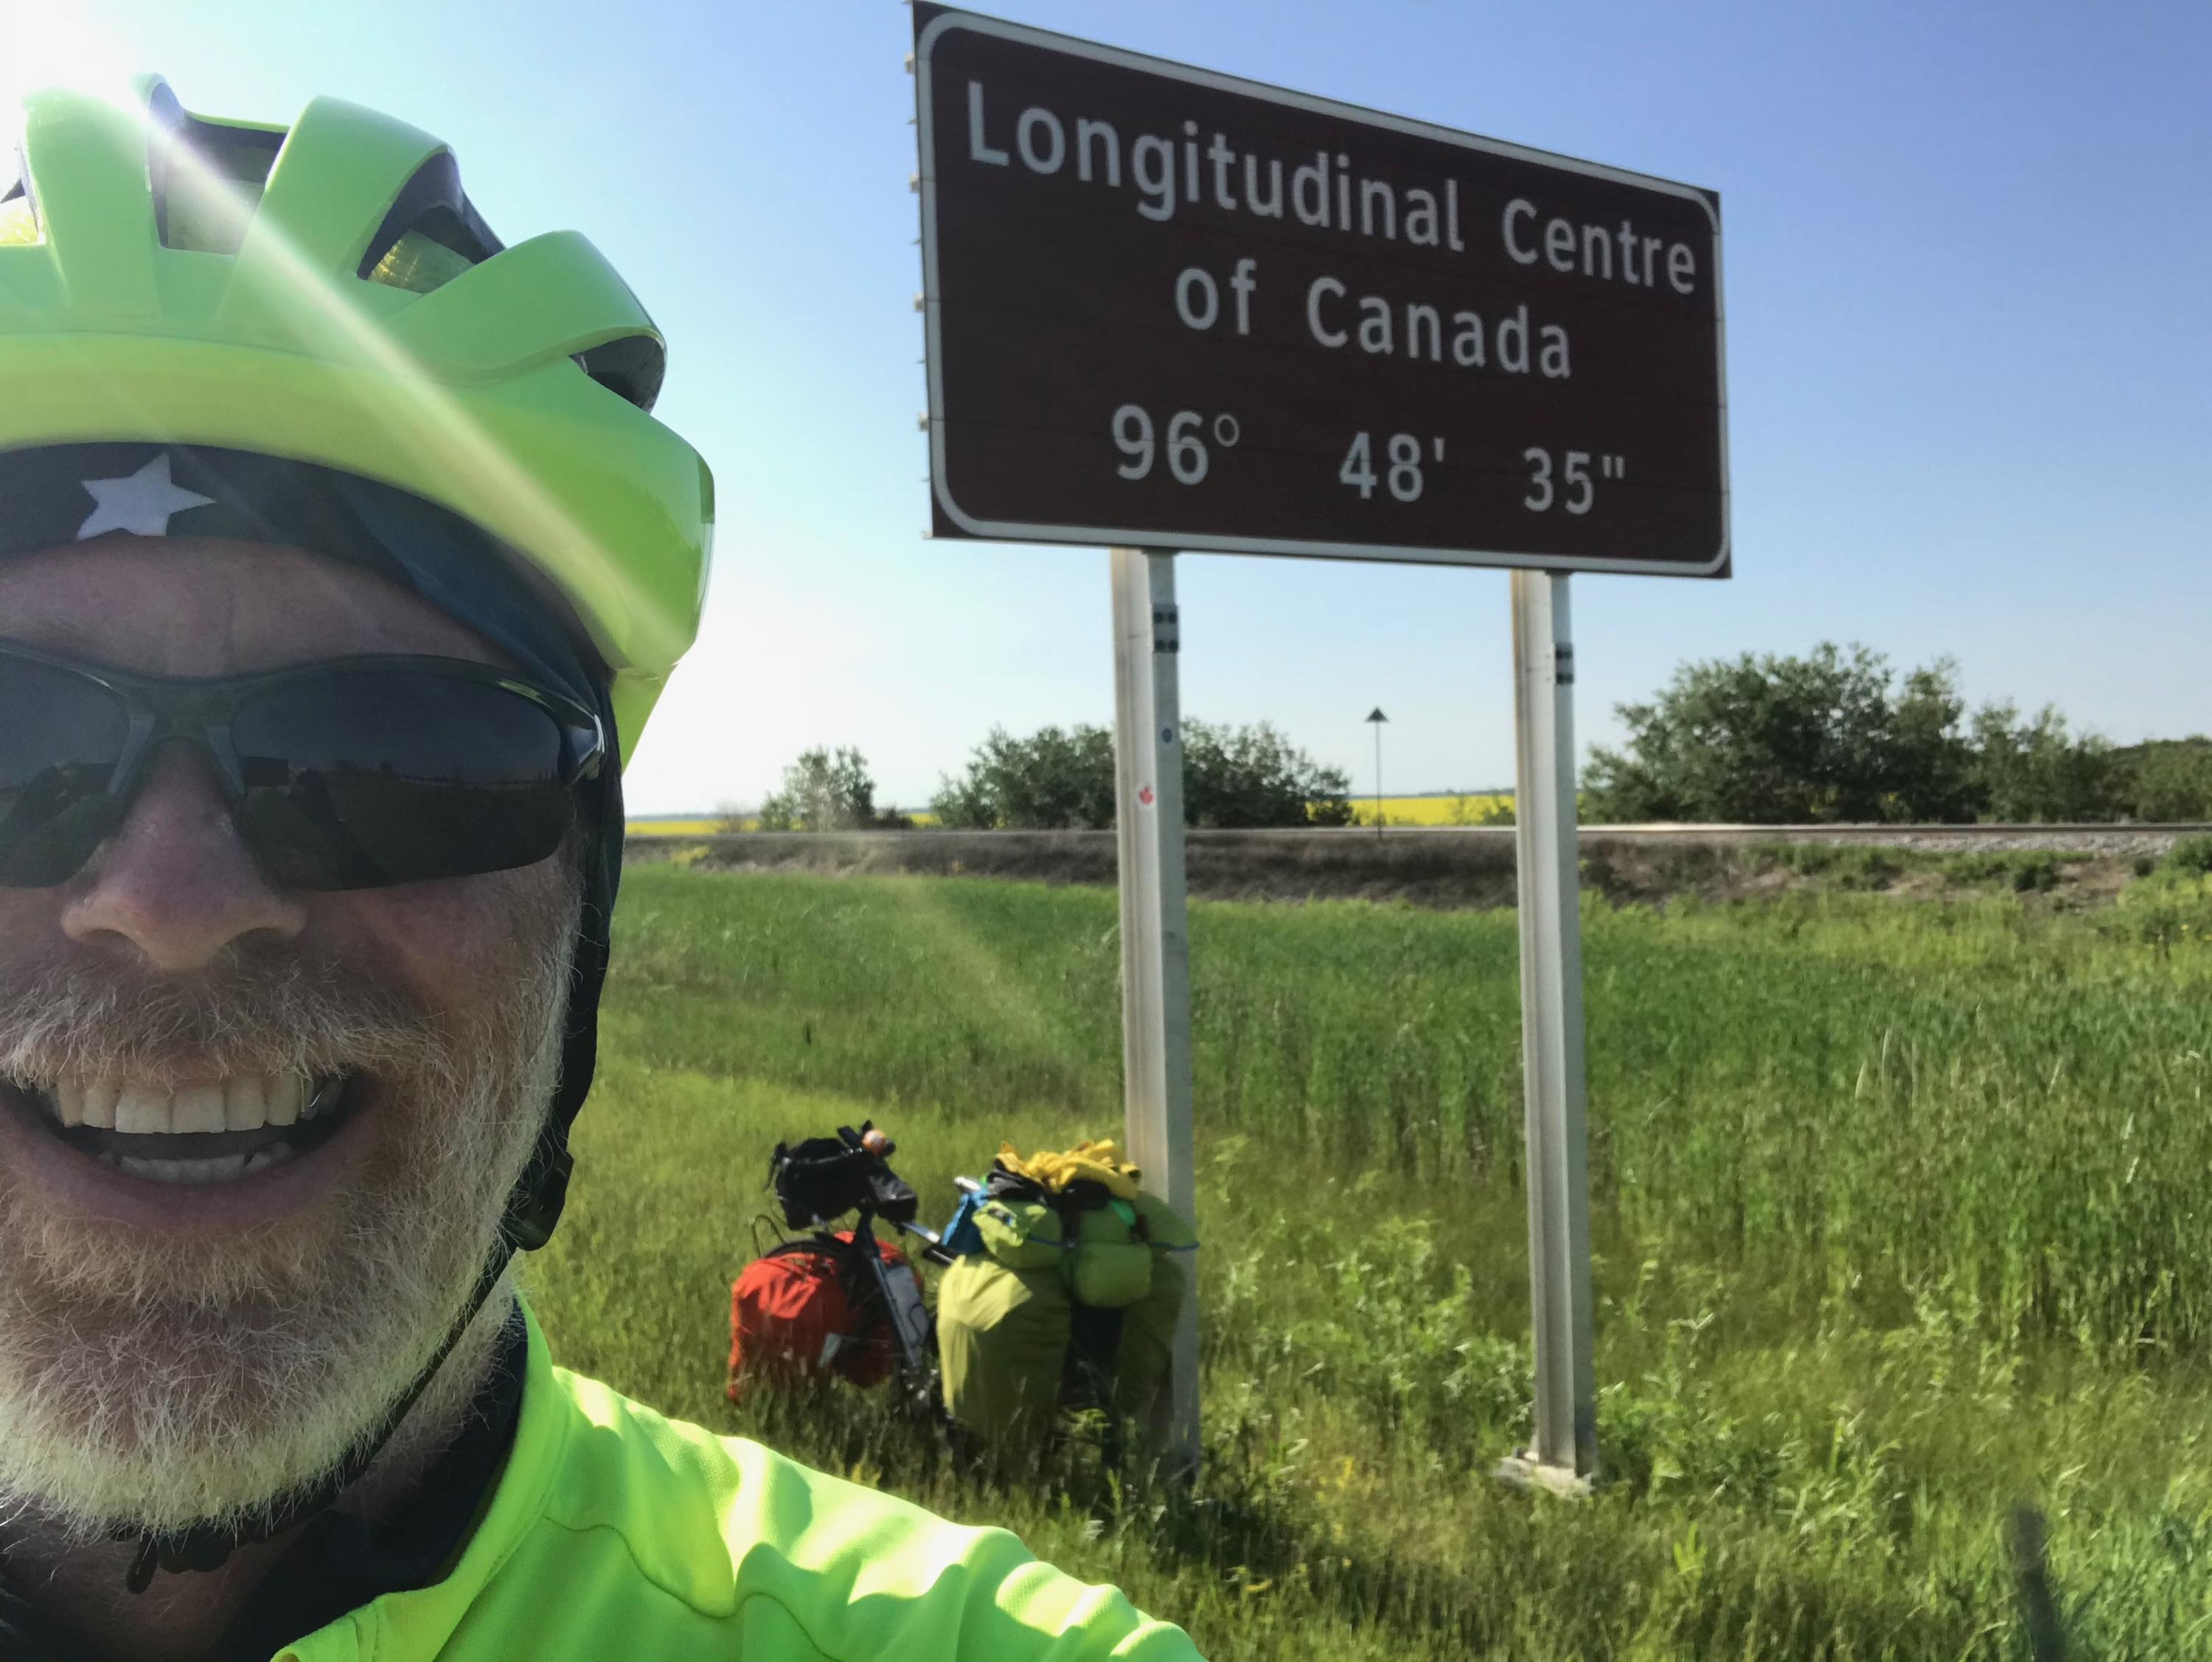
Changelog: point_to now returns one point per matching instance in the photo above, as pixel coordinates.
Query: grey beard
(159, 1384)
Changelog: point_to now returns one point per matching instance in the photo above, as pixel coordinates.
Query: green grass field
(1903, 1211)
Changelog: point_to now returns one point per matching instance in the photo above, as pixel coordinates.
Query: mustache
(275, 1010)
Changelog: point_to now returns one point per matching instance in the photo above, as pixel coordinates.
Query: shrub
(2171, 908)
(2033, 769)
(1058, 779)
(1837, 735)
(2170, 781)
(1769, 740)
(1055, 779)
(827, 791)
(1844, 866)
(2024, 872)
(2192, 854)
(1241, 778)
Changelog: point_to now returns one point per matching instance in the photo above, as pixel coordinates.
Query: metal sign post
(1156, 937)
(1564, 1456)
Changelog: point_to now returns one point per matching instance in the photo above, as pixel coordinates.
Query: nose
(175, 884)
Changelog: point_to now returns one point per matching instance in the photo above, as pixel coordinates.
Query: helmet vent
(19, 218)
(418, 262)
(632, 366)
(431, 235)
(207, 177)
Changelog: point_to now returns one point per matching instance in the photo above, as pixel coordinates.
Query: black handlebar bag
(824, 1178)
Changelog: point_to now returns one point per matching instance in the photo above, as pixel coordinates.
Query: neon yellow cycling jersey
(616, 1535)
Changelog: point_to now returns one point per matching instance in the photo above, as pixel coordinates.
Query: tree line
(1062, 779)
(1837, 735)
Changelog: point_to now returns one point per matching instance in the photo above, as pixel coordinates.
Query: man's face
(190, 1320)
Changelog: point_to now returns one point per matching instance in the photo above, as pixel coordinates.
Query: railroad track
(2107, 839)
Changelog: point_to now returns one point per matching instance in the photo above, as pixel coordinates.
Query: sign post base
(1525, 1472)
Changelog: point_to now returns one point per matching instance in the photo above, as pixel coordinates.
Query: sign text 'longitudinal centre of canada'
(1171, 309)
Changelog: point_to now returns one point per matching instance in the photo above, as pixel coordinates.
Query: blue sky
(1969, 257)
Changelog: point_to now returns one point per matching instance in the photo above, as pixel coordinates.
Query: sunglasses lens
(358, 779)
(61, 735)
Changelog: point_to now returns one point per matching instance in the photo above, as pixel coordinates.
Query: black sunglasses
(347, 773)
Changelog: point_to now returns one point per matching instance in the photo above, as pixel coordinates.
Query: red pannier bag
(800, 1314)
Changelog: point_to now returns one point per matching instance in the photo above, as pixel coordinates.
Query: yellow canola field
(1472, 809)
(709, 825)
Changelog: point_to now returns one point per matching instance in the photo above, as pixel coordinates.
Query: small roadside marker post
(1562, 1457)
(1156, 939)
(1376, 719)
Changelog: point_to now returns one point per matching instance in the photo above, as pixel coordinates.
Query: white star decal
(140, 504)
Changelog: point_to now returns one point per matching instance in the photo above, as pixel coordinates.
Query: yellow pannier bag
(1148, 1326)
(1148, 1330)
(1001, 1344)
(1021, 1234)
(1161, 1227)
(1003, 1334)
(1111, 1266)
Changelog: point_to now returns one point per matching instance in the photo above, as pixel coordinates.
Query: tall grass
(1897, 1209)
(1864, 1088)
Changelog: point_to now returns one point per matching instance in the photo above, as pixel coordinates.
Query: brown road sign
(1169, 309)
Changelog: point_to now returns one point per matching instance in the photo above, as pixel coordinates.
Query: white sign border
(1200, 542)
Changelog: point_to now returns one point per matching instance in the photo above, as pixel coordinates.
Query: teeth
(286, 1093)
(225, 1169)
(245, 1108)
(99, 1106)
(143, 1110)
(234, 1105)
(197, 1108)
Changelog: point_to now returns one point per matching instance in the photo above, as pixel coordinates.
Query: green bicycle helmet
(319, 327)
(326, 294)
